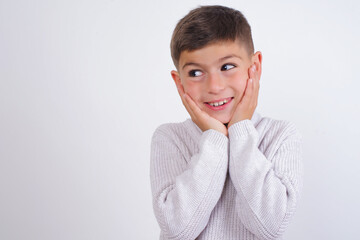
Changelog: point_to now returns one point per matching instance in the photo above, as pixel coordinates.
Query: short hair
(209, 24)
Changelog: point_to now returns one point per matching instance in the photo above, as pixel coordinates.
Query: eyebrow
(220, 60)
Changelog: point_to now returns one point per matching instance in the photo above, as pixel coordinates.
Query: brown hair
(209, 24)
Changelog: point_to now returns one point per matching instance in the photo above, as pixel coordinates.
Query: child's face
(215, 73)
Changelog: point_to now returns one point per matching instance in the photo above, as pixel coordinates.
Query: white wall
(83, 85)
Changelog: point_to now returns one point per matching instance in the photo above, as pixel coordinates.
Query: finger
(253, 72)
(181, 92)
(180, 89)
(194, 107)
(186, 103)
(189, 106)
(256, 89)
(254, 84)
(248, 92)
(255, 93)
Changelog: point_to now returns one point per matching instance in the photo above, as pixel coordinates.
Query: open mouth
(219, 104)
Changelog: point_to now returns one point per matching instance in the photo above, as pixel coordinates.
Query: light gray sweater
(209, 186)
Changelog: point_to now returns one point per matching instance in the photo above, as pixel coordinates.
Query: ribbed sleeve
(267, 188)
(207, 186)
(185, 192)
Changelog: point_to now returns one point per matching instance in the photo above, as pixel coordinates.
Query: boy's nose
(215, 83)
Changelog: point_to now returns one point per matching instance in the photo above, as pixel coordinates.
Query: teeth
(218, 103)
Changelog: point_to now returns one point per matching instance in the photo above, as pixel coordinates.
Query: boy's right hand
(203, 120)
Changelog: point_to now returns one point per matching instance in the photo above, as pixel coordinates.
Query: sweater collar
(255, 119)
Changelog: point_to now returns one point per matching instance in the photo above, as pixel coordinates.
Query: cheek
(239, 84)
(193, 90)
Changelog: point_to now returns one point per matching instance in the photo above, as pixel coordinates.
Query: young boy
(226, 173)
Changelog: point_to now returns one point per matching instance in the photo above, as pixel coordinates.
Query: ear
(257, 60)
(176, 77)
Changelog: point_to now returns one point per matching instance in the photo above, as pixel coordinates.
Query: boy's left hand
(247, 105)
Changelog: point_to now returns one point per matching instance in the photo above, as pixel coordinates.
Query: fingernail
(251, 80)
(253, 68)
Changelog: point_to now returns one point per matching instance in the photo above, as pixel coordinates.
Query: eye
(195, 73)
(227, 66)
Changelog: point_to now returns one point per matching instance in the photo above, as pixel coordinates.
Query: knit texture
(209, 186)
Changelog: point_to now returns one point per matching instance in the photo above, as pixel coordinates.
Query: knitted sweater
(209, 186)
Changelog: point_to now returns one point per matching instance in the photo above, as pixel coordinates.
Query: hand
(246, 107)
(199, 117)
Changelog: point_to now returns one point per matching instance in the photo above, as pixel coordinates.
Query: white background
(83, 85)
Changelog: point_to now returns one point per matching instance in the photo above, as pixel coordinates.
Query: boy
(226, 173)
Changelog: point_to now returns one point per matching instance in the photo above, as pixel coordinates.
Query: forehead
(213, 53)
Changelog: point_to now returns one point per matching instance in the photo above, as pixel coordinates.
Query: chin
(224, 120)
